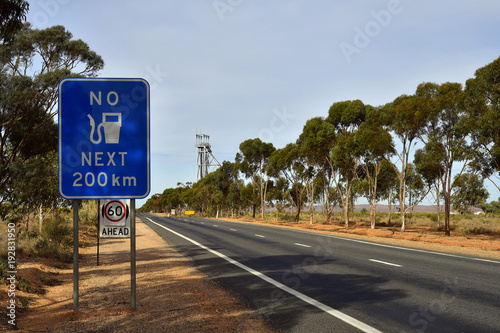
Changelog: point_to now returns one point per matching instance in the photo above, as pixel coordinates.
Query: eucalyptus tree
(279, 192)
(171, 199)
(234, 200)
(387, 184)
(315, 144)
(428, 165)
(225, 176)
(375, 146)
(12, 15)
(483, 107)
(346, 118)
(469, 192)
(288, 162)
(406, 118)
(447, 129)
(32, 64)
(253, 163)
(416, 190)
(34, 186)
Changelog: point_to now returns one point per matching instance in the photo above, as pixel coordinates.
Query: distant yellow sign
(189, 212)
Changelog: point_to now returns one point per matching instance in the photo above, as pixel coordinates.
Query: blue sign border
(96, 194)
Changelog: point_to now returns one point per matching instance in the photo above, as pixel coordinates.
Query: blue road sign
(104, 144)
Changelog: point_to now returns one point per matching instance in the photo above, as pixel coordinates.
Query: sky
(241, 69)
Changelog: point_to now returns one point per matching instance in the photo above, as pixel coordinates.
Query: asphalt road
(306, 282)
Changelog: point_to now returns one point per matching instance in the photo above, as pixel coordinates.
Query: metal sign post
(75, 255)
(132, 255)
(104, 151)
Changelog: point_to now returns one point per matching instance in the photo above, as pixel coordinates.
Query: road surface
(306, 282)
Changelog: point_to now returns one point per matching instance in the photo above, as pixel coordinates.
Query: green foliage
(12, 15)
(88, 213)
(32, 64)
(253, 162)
(55, 239)
(478, 231)
(469, 192)
(289, 164)
(4, 267)
(24, 285)
(25, 302)
(433, 217)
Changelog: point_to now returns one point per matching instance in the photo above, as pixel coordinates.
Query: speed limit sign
(114, 217)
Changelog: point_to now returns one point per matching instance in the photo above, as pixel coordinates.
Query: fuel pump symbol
(111, 122)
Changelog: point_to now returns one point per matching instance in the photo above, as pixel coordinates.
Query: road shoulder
(171, 294)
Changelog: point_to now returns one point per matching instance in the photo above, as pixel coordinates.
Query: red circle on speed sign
(119, 211)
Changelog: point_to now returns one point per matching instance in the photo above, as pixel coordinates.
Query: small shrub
(24, 302)
(441, 227)
(57, 231)
(24, 285)
(4, 267)
(477, 231)
(54, 239)
(88, 214)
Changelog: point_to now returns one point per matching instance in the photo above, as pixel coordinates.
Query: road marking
(329, 310)
(373, 243)
(303, 245)
(233, 229)
(260, 236)
(215, 225)
(385, 262)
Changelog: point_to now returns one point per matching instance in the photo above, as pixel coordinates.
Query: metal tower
(205, 159)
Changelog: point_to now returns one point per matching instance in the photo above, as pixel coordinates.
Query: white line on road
(374, 243)
(260, 236)
(233, 229)
(385, 263)
(303, 245)
(331, 311)
(409, 249)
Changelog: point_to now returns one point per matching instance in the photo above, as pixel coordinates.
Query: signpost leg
(132, 255)
(75, 255)
(98, 228)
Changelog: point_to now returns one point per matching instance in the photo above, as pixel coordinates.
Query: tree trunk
(402, 198)
(328, 208)
(438, 206)
(471, 216)
(40, 218)
(446, 215)
(346, 203)
(263, 193)
(346, 215)
(373, 207)
(311, 206)
(373, 216)
(390, 208)
(402, 211)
